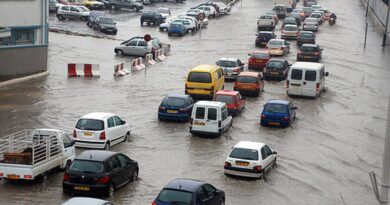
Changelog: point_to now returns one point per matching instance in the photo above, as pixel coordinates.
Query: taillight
(318, 87)
(154, 203)
(27, 176)
(257, 85)
(262, 116)
(104, 180)
(258, 168)
(287, 82)
(161, 108)
(1, 174)
(227, 165)
(251, 59)
(236, 70)
(219, 123)
(102, 136)
(317, 53)
(66, 177)
(74, 134)
(286, 119)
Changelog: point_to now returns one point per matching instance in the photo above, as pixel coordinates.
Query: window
(23, 36)
(74, 9)
(87, 166)
(263, 153)
(67, 140)
(132, 43)
(243, 153)
(246, 79)
(5, 41)
(118, 121)
(219, 73)
(200, 113)
(90, 124)
(209, 189)
(174, 101)
(201, 194)
(123, 160)
(296, 74)
(65, 8)
(114, 163)
(275, 108)
(212, 114)
(110, 122)
(268, 150)
(310, 75)
(224, 114)
(199, 77)
(142, 43)
(179, 196)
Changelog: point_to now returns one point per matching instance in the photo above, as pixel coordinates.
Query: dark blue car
(177, 28)
(189, 192)
(278, 113)
(176, 107)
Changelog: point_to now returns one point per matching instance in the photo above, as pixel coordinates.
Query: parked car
(53, 5)
(100, 130)
(290, 32)
(72, 12)
(306, 79)
(204, 81)
(276, 69)
(90, 4)
(209, 11)
(249, 83)
(177, 28)
(189, 24)
(316, 7)
(263, 37)
(258, 59)
(274, 16)
(317, 16)
(250, 159)
(297, 18)
(309, 3)
(212, 4)
(278, 113)
(155, 41)
(234, 102)
(309, 52)
(300, 13)
(176, 107)
(33, 154)
(223, 8)
(307, 11)
(306, 37)
(128, 4)
(135, 47)
(310, 24)
(280, 10)
(86, 201)
(99, 173)
(104, 24)
(93, 15)
(106, 3)
(278, 47)
(209, 118)
(289, 21)
(152, 17)
(165, 12)
(231, 67)
(191, 192)
(265, 23)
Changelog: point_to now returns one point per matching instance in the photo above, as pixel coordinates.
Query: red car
(258, 59)
(234, 102)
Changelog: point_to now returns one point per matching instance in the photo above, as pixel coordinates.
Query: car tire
(142, 23)
(107, 146)
(169, 34)
(134, 176)
(83, 18)
(113, 7)
(41, 178)
(127, 137)
(274, 165)
(161, 29)
(110, 190)
(60, 17)
(222, 202)
(134, 9)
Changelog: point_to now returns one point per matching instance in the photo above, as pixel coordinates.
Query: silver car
(232, 67)
(86, 201)
(72, 12)
(135, 47)
(310, 24)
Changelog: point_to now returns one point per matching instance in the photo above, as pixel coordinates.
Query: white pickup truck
(32, 154)
(266, 23)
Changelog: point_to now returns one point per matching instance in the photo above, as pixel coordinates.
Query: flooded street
(323, 158)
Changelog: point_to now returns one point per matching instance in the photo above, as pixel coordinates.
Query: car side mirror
(123, 122)
(326, 73)
(274, 152)
(114, 23)
(249, 54)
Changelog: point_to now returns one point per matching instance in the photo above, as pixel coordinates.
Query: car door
(266, 160)
(241, 102)
(291, 111)
(126, 166)
(310, 82)
(213, 197)
(130, 47)
(65, 11)
(120, 129)
(202, 197)
(212, 120)
(111, 129)
(74, 13)
(116, 173)
(295, 81)
(225, 118)
(270, 157)
(141, 48)
(261, 82)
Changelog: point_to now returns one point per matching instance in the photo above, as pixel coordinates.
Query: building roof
(189, 185)
(96, 155)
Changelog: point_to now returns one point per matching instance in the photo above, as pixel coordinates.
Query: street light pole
(387, 23)
(386, 163)
(365, 35)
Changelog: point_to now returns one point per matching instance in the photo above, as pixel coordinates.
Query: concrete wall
(21, 12)
(20, 61)
(379, 10)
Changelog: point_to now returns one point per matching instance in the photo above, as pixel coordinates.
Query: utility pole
(387, 23)
(386, 163)
(365, 35)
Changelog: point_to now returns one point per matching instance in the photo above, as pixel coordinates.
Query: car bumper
(299, 92)
(200, 96)
(308, 58)
(276, 52)
(206, 133)
(173, 116)
(306, 28)
(269, 122)
(289, 36)
(242, 172)
(69, 188)
(90, 144)
(274, 76)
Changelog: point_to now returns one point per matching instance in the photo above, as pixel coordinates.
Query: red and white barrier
(83, 70)
(149, 59)
(159, 54)
(120, 70)
(137, 64)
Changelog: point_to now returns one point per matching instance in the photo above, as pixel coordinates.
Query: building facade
(23, 37)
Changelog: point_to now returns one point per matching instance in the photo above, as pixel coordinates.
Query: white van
(209, 118)
(306, 79)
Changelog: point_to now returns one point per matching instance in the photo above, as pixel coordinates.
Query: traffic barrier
(149, 59)
(120, 70)
(159, 54)
(137, 64)
(83, 70)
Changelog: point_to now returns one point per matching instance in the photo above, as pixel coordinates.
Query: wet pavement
(324, 157)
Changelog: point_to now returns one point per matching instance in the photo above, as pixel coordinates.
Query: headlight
(102, 27)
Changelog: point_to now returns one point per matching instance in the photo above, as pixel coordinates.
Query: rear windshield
(227, 63)
(267, 35)
(106, 21)
(309, 49)
(266, 17)
(224, 98)
(275, 64)
(259, 55)
(87, 166)
(242, 153)
(172, 101)
(310, 75)
(316, 15)
(199, 77)
(296, 74)
(175, 196)
(290, 20)
(278, 108)
(311, 20)
(90, 124)
(307, 35)
(290, 28)
(276, 43)
(246, 79)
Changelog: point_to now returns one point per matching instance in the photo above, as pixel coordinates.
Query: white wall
(20, 12)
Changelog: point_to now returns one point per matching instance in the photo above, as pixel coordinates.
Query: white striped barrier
(120, 70)
(137, 64)
(159, 54)
(83, 70)
(149, 59)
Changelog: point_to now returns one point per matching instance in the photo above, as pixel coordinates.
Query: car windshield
(265, 17)
(311, 20)
(290, 28)
(309, 49)
(163, 11)
(227, 63)
(174, 101)
(106, 21)
(243, 153)
(275, 43)
(275, 64)
(277, 108)
(199, 77)
(246, 79)
(290, 20)
(87, 166)
(260, 55)
(305, 35)
(90, 124)
(175, 196)
(224, 98)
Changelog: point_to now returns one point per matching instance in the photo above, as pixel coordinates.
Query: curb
(22, 79)
(63, 31)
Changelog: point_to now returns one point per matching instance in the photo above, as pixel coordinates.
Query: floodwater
(324, 157)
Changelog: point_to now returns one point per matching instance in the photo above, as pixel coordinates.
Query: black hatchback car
(289, 21)
(309, 52)
(306, 37)
(276, 69)
(263, 37)
(98, 172)
(152, 17)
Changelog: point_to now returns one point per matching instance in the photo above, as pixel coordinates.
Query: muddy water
(324, 157)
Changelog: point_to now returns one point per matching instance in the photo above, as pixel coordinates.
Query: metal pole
(387, 23)
(365, 35)
(386, 163)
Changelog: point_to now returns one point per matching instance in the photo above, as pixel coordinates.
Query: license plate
(12, 176)
(264, 43)
(274, 123)
(171, 111)
(274, 73)
(88, 134)
(259, 61)
(81, 188)
(244, 164)
(296, 85)
(307, 57)
(246, 86)
(199, 123)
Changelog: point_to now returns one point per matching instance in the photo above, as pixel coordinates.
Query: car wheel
(236, 113)
(60, 17)
(223, 202)
(127, 137)
(107, 146)
(110, 190)
(113, 7)
(42, 178)
(134, 177)
(161, 29)
(134, 8)
(274, 165)
(169, 34)
(83, 18)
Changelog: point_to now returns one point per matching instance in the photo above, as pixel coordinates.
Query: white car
(223, 8)
(290, 31)
(278, 47)
(310, 24)
(209, 11)
(317, 16)
(86, 201)
(165, 12)
(188, 24)
(100, 130)
(250, 159)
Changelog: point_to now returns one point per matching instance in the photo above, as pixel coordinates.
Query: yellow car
(204, 81)
(90, 4)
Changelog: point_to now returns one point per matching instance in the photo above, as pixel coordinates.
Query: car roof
(250, 74)
(84, 200)
(227, 92)
(277, 39)
(178, 95)
(96, 155)
(267, 32)
(189, 185)
(228, 59)
(261, 51)
(209, 103)
(307, 65)
(284, 102)
(97, 115)
(277, 59)
(204, 68)
(249, 145)
(309, 45)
